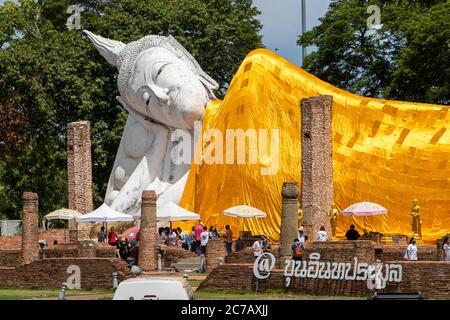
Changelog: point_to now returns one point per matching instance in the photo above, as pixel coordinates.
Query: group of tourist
(197, 242)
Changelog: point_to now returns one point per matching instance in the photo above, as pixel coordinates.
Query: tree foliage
(50, 76)
(407, 59)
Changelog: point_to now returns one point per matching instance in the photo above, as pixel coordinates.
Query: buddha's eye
(161, 69)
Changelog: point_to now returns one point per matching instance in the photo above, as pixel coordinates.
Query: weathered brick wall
(431, 278)
(62, 251)
(396, 253)
(15, 242)
(10, 258)
(314, 286)
(69, 250)
(342, 251)
(11, 243)
(104, 250)
(215, 253)
(51, 273)
(230, 276)
(243, 256)
(339, 251)
(175, 254)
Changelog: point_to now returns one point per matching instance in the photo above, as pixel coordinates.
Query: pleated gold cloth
(387, 152)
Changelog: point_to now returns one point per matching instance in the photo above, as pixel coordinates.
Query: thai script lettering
(377, 275)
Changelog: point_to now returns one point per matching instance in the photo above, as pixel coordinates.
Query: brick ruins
(147, 246)
(79, 171)
(79, 166)
(317, 163)
(23, 265)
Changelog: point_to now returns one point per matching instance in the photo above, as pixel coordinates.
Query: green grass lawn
(20, 294)
(209, 294)
(194, 283)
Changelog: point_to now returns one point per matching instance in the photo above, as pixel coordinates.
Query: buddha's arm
(148, 168)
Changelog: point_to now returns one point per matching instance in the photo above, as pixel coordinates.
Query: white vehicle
(154, 288)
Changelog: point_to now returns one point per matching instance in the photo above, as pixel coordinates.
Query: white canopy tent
(173, 212)
(244, 211)
(104, 213)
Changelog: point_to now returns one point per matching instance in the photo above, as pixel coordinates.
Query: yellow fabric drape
(388, 152)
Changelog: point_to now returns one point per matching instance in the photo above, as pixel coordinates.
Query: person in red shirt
(112, 237)
(198, 232)
(228, 239)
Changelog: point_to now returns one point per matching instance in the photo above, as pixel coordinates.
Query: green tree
(407, 59)
(50, 76)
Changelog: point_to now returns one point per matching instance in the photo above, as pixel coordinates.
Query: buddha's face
(166, 90)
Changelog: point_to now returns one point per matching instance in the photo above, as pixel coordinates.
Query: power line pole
(303, 29)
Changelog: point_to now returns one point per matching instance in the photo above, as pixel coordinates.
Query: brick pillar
(147, 246)
(288, 231)
(317, 163)
(79, 171)
(30, 228)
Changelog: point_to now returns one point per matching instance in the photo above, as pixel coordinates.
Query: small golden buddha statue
(416, 222)
(333, 214)
(299, 216)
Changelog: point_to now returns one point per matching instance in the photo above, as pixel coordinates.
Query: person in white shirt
(301, 236)
(446, 248)
(322, 235)
(204, 238)
(411, 250)
(257, 248)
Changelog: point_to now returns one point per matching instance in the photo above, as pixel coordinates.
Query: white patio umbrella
(244, 211)
(61, 214)
(364, 209)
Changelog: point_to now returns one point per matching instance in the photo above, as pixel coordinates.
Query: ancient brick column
(30, 227)
(79, 171)
(288, 231)
(79, 167)
(147, 245)
(317, 163)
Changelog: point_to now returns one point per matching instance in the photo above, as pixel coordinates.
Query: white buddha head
(158, 79)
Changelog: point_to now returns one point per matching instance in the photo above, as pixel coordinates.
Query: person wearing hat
(301, 236)
(123, 247)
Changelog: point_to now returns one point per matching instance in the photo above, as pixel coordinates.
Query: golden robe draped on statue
(387, 152)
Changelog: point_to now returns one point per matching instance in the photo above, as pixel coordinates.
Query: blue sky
(281, 21)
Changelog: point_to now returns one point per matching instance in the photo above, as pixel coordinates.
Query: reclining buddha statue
(163, 89)
(388, 152)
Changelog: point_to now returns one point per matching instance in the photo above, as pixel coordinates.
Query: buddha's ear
(109, 49)
(122, 102)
